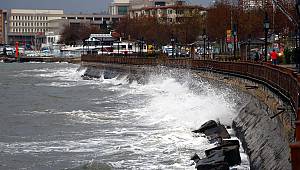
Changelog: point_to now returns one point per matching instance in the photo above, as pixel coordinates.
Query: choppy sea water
(51, 118)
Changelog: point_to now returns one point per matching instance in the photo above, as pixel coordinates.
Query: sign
(228, 36)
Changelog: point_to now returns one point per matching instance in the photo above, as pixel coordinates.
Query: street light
(172, 42)
(234, 40)
(142, 47)
(266, 29)
(102, 45)
(5, 32)
(298, 38)
(204, 38)
(249, 46)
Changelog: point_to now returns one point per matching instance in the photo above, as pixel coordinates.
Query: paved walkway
(290, 66)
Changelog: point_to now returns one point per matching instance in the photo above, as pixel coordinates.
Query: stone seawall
(265, 136)
(262, 137)
(265, 139)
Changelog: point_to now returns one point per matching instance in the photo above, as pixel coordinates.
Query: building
(92, 19)
(57, 26)
(138, 4)
(168, 11)
(251, 4)
(28, 26)
(32, 27)
(119, 7)
(3, 26)
(2, 23)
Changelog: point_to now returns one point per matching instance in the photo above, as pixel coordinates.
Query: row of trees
(223, 14)
(219, 18)
(76, 34)
(155, 31)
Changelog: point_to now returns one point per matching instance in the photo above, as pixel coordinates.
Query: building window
(122, 10)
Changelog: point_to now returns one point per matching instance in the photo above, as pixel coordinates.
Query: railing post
(295, 155)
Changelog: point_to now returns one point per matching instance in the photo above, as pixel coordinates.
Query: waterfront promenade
(283, 80)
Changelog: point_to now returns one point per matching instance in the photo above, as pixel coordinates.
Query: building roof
(170, 7)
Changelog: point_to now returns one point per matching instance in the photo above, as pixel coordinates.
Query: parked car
(8, 50)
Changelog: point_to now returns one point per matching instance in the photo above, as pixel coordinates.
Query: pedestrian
(274, 57)
(256, 58)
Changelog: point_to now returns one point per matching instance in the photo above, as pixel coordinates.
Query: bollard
(297, 123)
(295, 155)
(17, 50)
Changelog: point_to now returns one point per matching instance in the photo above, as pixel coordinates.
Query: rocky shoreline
(226, 154)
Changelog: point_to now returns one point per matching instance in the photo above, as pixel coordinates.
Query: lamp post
(102, 45)
(249, 46)
(234, 40)
(266, 29)
(5, 32)
(298, 39)
(204, 38)
(172, 42)
(142, 46)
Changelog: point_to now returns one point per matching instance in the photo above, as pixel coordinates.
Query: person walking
(274, 57)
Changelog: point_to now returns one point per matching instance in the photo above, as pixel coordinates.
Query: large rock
(208, 125)
(213, 130)
(215, 161)
(109, 74)
(231, 154)
(220, 157)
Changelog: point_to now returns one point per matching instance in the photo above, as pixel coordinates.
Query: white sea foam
(156, 134)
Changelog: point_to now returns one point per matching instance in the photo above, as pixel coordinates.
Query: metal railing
(284, 80)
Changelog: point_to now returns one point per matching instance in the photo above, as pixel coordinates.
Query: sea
(53, 118)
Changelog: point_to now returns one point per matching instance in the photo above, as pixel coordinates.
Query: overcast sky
(70, 6)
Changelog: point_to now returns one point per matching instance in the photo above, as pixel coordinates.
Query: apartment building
(167, 11)
(251, 4)
(138, 4)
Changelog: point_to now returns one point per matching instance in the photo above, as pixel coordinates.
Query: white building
(52, 38)
(33, 26)
(138, 4)
(251, 4)
(28, 26)
(119, 7)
